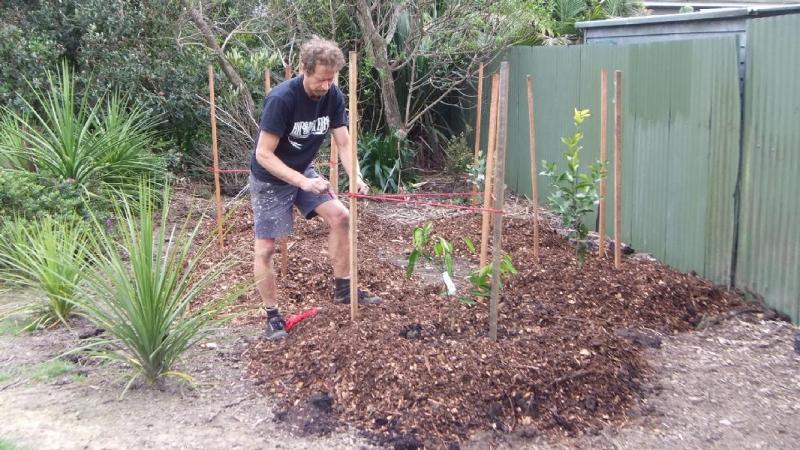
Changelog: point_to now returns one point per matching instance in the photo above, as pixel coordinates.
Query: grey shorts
(272, 205)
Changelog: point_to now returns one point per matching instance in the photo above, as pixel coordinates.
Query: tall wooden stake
(283, 242)
(487, 181)
(601, 214)
(215, 153)
(288, 72)
(499, 190)
(353, 186)
(617, 168)
(334, 172)
(534, 172)
(478, 113)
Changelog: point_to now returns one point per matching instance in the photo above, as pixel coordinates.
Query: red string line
(418, 202)
(230, 170)
(429, 194)
(400, 198)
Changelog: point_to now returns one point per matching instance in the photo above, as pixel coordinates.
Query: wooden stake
(601, 213)
(353, 186)
(499, 190)
(487, 181)
(334, 172)
(617, 168)
(284, 242)
(288, 72)
(478, 130)
(534, 172)
(215, 154)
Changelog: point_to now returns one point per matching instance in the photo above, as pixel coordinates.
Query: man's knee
(264, 249)
(339, 218)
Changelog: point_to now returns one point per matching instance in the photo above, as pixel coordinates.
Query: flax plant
(106, 145)
(142, 287)
(48, 256)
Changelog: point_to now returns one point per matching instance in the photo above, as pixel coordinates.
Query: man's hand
(316, 185)
(361, 187)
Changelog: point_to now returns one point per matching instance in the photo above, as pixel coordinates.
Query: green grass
(8, 445)
(5, 376)
(43, 371)
(10, 326)
(50, 369)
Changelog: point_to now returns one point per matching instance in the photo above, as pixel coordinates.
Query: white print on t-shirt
(302, 130)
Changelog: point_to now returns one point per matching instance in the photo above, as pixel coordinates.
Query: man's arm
(265, 155)
(342, 137)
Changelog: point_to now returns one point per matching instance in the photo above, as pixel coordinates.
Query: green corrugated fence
(682, 140)
(681, 109)
(768, 257)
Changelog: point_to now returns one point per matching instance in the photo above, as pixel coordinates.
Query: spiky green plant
(48, 255)
(107, 146)
(142, 284)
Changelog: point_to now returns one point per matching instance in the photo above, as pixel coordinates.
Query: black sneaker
(275, 329)
(341, 294)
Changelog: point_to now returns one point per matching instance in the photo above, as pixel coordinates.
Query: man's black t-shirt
(301, 122)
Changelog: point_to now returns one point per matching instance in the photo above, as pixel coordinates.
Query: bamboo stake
(353, 186)
(617, 168)
(534, 172)
(487, 181)
(215, 154)
(334, 172)
(601, 214)
(284, 242)
(478, 113)
(499, 190)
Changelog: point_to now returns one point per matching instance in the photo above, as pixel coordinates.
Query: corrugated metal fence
(768, 257)
(681, 147)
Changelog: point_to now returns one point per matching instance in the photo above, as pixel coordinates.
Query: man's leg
(264, 271)
(338, 218)
(272, 216)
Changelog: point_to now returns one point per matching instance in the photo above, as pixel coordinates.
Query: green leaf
(412, 262)
(470, 245)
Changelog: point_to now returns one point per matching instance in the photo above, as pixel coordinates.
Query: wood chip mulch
(420, 370)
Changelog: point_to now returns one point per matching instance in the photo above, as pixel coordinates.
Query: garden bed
(420, 369)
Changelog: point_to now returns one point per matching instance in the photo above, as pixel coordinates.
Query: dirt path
(46, 405)
(734, 385)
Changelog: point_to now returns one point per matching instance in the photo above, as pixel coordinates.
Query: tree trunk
(227, 68)
(379, 52)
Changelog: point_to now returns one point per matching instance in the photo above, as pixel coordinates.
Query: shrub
(31, 196)
(460, 157)
(385, 162)
(140, 286)
(107, 146)
(574, 192)
(47, 255)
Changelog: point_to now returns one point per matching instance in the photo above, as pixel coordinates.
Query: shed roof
(709, 15)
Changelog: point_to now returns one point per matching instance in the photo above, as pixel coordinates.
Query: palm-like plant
(141, 285)
(106, 144)
(385, 162)
(49, 256)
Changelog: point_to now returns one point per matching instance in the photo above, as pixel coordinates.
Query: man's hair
(318, 51)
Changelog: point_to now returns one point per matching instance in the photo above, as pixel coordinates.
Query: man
(297, 116)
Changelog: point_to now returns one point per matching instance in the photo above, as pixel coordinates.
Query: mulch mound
(420, 369)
